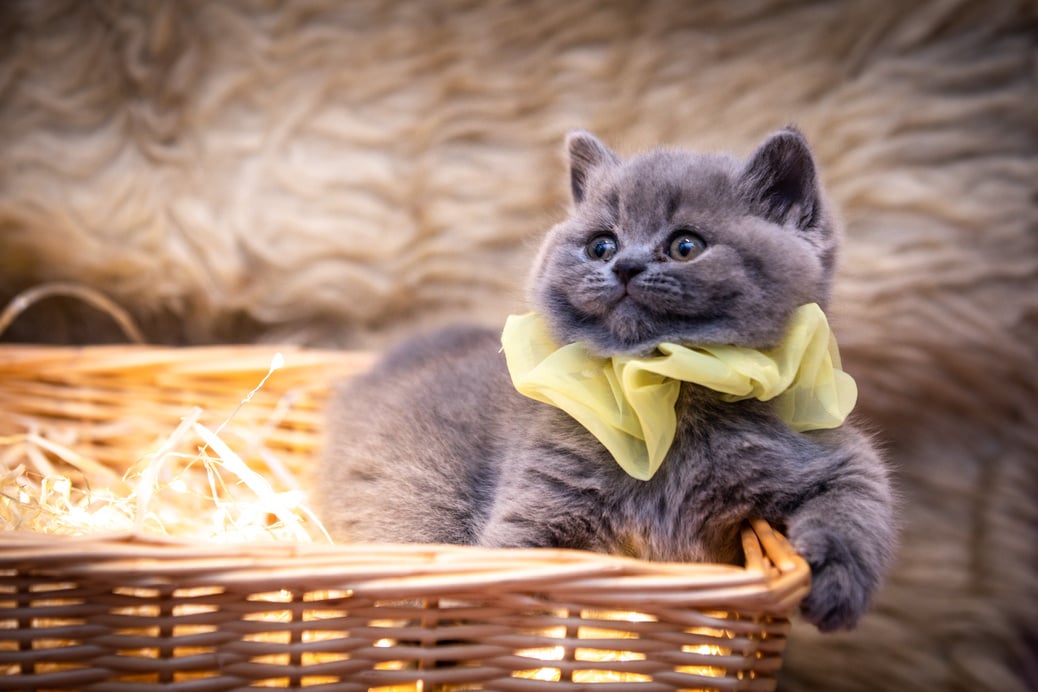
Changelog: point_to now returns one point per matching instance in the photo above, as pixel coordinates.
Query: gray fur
(435, 445)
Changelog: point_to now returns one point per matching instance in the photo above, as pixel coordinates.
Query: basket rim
(773, 575)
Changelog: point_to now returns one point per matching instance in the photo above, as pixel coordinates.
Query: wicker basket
(134, 611)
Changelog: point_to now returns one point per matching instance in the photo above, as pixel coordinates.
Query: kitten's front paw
(841, 584)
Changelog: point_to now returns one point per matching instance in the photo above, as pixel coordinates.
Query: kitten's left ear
(585, 153)
(780, 180)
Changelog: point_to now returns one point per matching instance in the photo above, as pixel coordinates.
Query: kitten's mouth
(627, 319)
(625, 308)
(624, 291)
(630, 295)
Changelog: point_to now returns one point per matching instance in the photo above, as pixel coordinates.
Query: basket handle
(24, 300)
(769, 552)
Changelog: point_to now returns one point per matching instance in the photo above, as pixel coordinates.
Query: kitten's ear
(586, 152)
(780, 180)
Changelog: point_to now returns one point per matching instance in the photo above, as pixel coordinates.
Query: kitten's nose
(627, 268)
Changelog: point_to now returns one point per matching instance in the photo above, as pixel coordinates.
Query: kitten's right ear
(586, 152)
(780, 180)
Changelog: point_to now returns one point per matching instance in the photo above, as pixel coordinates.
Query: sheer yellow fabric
(628, 403)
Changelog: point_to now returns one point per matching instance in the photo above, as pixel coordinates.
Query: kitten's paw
(840, 584)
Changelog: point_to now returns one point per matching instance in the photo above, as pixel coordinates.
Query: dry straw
(156, 536)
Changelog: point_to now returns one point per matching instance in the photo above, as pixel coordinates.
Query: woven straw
(136, 611)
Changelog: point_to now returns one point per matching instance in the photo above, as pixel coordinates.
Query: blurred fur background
(348, 173)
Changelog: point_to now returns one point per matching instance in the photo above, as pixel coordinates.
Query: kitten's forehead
(655, 188)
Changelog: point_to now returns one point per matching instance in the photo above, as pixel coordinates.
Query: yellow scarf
(628, 402)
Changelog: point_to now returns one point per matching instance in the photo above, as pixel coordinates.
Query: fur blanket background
(347, 173)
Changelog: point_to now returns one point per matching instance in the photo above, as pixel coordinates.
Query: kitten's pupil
(686, 246)
(602, 247)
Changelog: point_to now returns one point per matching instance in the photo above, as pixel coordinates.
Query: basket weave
(129, 611)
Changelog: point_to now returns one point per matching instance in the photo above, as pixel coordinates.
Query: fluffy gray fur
(435, 445)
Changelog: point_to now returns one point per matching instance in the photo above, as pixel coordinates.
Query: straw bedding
(208, 443)
(345, 174)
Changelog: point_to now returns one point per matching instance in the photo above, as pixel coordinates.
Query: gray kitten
(435, 444)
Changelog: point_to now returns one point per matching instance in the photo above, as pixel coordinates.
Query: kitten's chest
(709, 484)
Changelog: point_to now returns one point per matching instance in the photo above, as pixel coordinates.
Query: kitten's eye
(686, 246)
(602, 247)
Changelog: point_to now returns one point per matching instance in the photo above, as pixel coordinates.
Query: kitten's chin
(623, 333)
(628, 332)
(602, 338)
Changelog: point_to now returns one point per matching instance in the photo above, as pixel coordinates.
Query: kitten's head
(684, 247)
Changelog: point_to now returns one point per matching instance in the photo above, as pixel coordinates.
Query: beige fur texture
(348, 173)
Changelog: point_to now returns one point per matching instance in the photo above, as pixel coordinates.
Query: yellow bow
(628, 402)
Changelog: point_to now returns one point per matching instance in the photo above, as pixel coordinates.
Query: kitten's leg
(527, 521)
(846, 532)
(544, 500)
